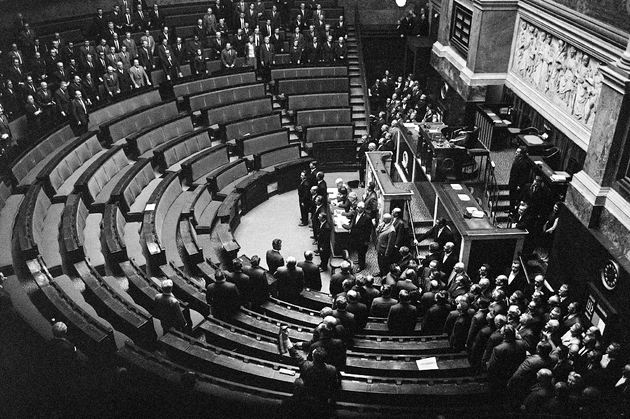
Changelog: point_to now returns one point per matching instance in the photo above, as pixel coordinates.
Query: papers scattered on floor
(427, 364)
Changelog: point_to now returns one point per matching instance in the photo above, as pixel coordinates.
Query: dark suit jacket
(506, 358)
(312, 275)
(259, 284)
(459, 334)
(224, 299)
(62, 99)
(433, 322)
(267, 56)
(80, 115)
(243, 283)
(402, 319)
(169, 312)
(361, 229)
(518, 283)
(323, 237)
(274, 261)
(441, 238)
(290, 283)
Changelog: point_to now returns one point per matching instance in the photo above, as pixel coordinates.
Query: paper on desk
(426, 364)
(456, 186)
(558, 178)
(463, 197)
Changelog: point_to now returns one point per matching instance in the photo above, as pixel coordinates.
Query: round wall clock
(610, 274)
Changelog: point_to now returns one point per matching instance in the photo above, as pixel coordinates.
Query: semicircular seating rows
(155, 190)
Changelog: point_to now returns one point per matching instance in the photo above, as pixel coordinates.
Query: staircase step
(293, 138)
(353, 61)
(356, 101)
(354, 73)
(355, 83)
(358, 116)
(356, 91)
(358, 108)
(354, 67)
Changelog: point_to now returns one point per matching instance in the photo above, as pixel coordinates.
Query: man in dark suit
(360, 227)
(440, 233)
(145, 58)
(506, 358)
(304, 199)
(277, 40)
(6, 136)
(79, 114)
(223, 297)
(312, 275)
(313, 51)
(142, 19)
(171, 67)
(242, 282)
(158, 20)
(258, 281)
(323, 241)
(403, 316)
(62, 100)
(448, 259)
(433, 321)
(179, 51)
(273, 256)
(290, 281)
(228, 56)
(267, 58)
(385, 243)
(516, 278)
(168, 309)
(124, 79)
(459, 333)
(519, 175)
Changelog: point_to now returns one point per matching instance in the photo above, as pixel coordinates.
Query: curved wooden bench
(158, 76)
(99, 179)
(38, 226)
(203, 210)
(143, 142)
(319, 101)
(238, 111)
(126, 124)
(207, 84)
(261, 143)
(9, 210)
(116, 307)
(253, 126)
(193, 252)
(167, 156)
(154, 214)
(83, 327)
(337, 116)
(287, 174)
(81, 233)
(312, 85)
(280, 155)
(134, 188)
(227, 96)
(317, 134)
(221, 181)
(199, 165)
(186, 289)
(27, 166)
(336, 153)
(135, 100)
(305, 72)
(59, 175)
(122, 239)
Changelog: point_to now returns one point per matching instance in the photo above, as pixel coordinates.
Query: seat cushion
(8, 215)
(49, 246)
(132, 243)
(92, 240)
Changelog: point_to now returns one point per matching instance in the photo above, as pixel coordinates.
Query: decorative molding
(486, 5)
(568, 77)
(578, 133)
(594, 193)
(466, 74)
(619, 207)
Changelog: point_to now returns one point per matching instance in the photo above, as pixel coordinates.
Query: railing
(411, 225)
(359, 34)
(491, 193)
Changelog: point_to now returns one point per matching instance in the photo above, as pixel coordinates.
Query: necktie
(82, 105)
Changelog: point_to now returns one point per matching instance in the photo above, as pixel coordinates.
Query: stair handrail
(411, 224)
(359, 34)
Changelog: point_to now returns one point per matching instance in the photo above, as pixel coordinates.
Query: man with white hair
(360, 227)
(167, 308)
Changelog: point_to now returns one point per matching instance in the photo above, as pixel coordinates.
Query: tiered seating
(189, 88)
(261, 143)
(134, 189)
(169, 155)
(9, 206)
(199, 165)
(122, 237)
(81, 233)
(203, 210)
(97, 181)
(272, 157)
(60, 174)
(322, 117)
(313, 85)
(26, 167)
(238, 111)
(155, 212)
(252, 127)
(323, 100)
(227, 96)
(38, 226)
(84, 326)
(130, 103)
(126, 124)
(304, 72)
(187, 289)
(222, 180)
(143, 142)
(115, 305)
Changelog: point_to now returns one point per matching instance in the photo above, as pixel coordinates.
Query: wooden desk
(441, 159)
(481, 242)
(493, 130)
(253, 190)
(534, 143)
(557, 182)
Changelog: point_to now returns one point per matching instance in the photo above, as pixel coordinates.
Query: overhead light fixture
(401, 3)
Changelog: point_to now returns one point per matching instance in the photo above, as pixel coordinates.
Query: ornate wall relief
(570, 78)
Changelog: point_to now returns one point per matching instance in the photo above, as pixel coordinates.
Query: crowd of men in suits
(42, 79)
